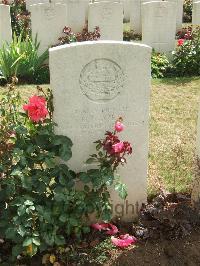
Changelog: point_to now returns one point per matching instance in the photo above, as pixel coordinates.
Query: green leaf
(16, 172)
(17, 250)
(10, 233)
(86, 229)
(91, 160)
(63, 218)
(42, 140)
(36, 241)
(21, 230)
(65, 152)
(21, 210)
(28, 203)
(50, 162)
(60, 240)
(84, 177)
(27, 242)
(122, 190)
(73, 221)
(62, 140)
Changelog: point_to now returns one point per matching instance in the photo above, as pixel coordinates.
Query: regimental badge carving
(101, 80)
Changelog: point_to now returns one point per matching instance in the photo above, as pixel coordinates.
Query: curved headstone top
(95, 83)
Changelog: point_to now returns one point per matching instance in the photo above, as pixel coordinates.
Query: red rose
(36, 108)
(180, 42)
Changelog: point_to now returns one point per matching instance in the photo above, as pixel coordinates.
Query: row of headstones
(157, 20)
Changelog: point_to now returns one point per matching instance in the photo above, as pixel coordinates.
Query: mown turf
(174, 105)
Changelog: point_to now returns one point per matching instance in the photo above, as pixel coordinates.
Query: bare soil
(178, 252)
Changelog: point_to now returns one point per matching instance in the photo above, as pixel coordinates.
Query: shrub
(185, 33)
(159, 65)
(69, 36)
(21, 59)
(186, 57)
(129, 35)
(187, 11)
(40, 204)
(20, 17)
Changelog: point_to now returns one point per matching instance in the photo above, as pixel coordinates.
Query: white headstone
(136, 14)
(179, 14)
(5, 24)
(109, 17)
(77, 13)
(196, 13)
(159, 25)
(93, 84)
(47, 22)
(34, 2)
(126, 4)
(198, 136)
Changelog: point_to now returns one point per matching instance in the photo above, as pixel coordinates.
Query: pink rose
(118, 147)
(119, 126)
(36, 108)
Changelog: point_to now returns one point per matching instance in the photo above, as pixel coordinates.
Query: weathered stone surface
(159, 25)
(136, 14)
(196, 13)
(5, 25)
(93, 84)
(35, 2)
(109, 17)
(48, 21)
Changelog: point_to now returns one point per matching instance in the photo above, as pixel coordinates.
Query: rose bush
(186, 57)
(40, 205)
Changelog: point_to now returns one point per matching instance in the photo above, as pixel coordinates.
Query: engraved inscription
(106, 13)
(160, 11)
(101, 80)
(49, 13)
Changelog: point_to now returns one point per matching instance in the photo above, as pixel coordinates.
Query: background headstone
(109, 17)
(179, 14)
(136, 13)
(159, 25)
(34, 2)
(47, 22)
(77, 12)
(126, 4)
(93, 84)
(196, 13)
(135, 16)
(5, 24)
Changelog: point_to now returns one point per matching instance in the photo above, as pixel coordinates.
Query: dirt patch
(185, 251)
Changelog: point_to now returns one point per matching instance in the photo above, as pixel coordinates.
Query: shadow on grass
(176, 80)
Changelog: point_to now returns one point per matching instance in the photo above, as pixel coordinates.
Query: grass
(174, 105)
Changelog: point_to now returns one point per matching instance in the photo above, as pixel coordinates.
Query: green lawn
(174, 104)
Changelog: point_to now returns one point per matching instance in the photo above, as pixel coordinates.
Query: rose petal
(113, 231)
(108, 227)
(123, 240)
